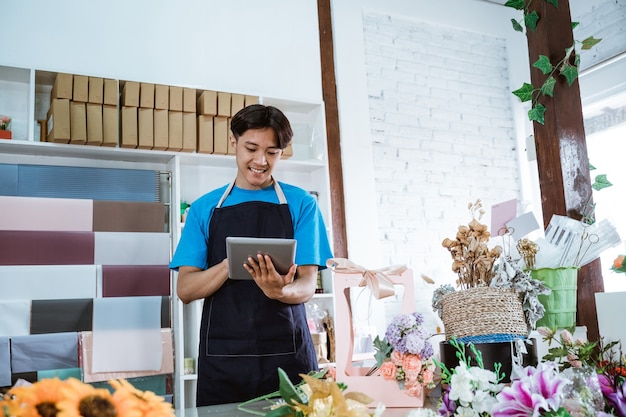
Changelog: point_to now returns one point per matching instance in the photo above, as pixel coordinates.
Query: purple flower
(447, 406)
(537, 389)
(615, 396)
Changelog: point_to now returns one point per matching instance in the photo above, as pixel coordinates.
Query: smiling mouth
(257, 170)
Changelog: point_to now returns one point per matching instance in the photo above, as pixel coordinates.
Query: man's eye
(251, 150)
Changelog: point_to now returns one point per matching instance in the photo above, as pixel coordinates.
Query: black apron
(245, 336)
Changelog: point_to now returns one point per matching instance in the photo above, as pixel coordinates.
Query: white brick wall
(443, 134)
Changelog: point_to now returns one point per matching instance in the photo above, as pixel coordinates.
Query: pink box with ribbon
(381, 282)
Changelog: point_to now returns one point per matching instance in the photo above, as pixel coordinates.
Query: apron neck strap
(277, 188)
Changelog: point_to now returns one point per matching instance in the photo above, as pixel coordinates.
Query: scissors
(592, 239)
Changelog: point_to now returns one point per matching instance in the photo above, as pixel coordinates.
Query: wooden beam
(562, 159)
(329, 92)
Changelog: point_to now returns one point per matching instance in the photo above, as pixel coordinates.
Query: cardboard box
(94, 124)
(287, 152)
(205, 134)
(81, 88)
(62, 87)
(58, 121)
(161, 129)
(248, 100)
(237, 102)
(146, 95)
(175, 131)
(130, 94)
(110, 126)
(78, 122)
(189, 100)
(189, 132)
(223, 104)
(162, 97)
(220, 135)
(231, 149)
(129, 127)
(176, 98)
(111, 92)
(96, 90)
(207, 103)
(145, 128)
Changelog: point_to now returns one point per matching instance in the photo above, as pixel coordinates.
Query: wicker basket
(484, 314)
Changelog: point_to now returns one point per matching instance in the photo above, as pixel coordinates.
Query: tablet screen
(238, 249)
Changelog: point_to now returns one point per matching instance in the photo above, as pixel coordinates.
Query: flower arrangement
(5, 122)
(473, 261)
(72, 398)
(317, 395)
(405, 354)
(619, 265)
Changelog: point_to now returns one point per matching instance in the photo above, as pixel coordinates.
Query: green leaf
(525, 92)
(531, 20)
(574, 25)
(548, 86)
(591, 167)
(555, 3)
(537, 113)
(516, 4)
(544, 64)
(516, 26)
(577, 60)
(590, 42)
(601, 182)
(561, 412)
(570, 73)
(286, 389)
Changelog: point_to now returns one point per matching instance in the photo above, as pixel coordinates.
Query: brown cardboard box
(189, 131)
(96, 90)
(287, 152)
(130, 94)
(111, 92)
(161, 97)
(220, 135)
(223, 104)
(248, 100)
(78, 122)
(110, 126)
(81, 88)
(161, 129)
(145, 129)
(146, 95)
(176, 98)
(189, 100)
(231, 150)
(62, 87)
(175, 134)
(205, 134)
(58, 121)
(129, 129)
(236, 103)
(207, 103)
(94, 124)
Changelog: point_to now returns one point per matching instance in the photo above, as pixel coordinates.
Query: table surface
(230, 410)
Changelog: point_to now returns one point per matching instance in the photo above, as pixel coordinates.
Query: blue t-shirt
(313, 247)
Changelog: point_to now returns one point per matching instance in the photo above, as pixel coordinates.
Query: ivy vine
(563, 67)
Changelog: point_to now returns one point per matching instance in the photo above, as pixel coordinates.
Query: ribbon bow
(377, 280)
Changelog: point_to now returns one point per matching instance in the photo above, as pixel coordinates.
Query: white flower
(485, 379)
(466, 412)
(423, 412)
(483, 401)
(461, 386)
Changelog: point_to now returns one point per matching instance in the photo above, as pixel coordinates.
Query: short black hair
(259, 116)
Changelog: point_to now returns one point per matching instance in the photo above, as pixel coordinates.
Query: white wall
(266, 47)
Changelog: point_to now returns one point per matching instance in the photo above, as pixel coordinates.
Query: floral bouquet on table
(72, 398)
(317, 395)
(405, 354)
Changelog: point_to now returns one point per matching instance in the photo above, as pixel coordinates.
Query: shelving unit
(24, 95)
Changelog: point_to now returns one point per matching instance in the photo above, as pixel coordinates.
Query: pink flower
(397, 357)
(567, 338)
(412, 365)
(428, 376)
(388, 370)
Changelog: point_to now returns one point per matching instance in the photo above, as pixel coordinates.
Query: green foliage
(383, 350)
(563, 67)
(601, 182)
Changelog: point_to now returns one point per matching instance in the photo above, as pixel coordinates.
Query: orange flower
(396, 357)
(36, 400)
(84, 400)
(145, 403)
(618, 262)
(412, 365)
(388, 370)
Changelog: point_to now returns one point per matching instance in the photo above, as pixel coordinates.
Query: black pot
(492, 353)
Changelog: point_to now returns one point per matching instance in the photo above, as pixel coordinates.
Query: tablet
(238, 249)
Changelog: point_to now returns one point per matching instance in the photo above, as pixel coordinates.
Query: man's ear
(233, 142)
